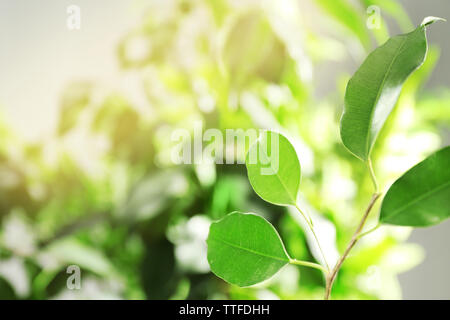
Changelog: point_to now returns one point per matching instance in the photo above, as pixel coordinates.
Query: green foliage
(245, 252)
(245, 249)
(251, 36)
(103, 186)
(420, 197)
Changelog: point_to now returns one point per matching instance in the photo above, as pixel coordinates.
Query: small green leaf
(273, 169)
(421, 197)
(373, 90)
(245, 249)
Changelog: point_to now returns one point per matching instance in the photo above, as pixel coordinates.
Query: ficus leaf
(245, 249)
(421, 197)
(273, 169)
(373, 90)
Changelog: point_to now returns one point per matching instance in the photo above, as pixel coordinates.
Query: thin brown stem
(369, 231)
(356, 236)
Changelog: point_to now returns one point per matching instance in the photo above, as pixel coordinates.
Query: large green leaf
(273, 169)
(421, 197)
(244, 249)
(373, 90)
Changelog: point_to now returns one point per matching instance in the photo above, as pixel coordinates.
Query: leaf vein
(249, 250)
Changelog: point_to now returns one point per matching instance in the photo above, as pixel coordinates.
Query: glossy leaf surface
(421, 197)
(273, 169)
(373, 90)
(245, 249)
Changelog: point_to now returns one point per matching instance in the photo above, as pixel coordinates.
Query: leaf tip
(430, 20)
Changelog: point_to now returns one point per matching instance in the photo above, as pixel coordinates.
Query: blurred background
(86, 117)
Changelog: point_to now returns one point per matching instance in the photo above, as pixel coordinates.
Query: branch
(308, 264)
(356, 236)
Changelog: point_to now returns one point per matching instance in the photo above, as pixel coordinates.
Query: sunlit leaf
(273, 169)
(74, 100)
(252, 48)
(244, 249)
(375, 87)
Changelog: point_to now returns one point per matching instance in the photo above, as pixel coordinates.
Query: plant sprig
(245, 249)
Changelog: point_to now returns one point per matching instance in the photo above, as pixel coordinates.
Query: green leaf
(70, 250)
(245, 249)
(421, 197)
(273, 169)
(373, 90)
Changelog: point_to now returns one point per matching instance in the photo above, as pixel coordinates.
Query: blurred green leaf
(74, 100)
(253, 49)
(348, 16)
(158, 270)
(72, 251)
(153, 194)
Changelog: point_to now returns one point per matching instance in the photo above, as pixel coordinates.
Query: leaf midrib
(250, 250)
(422, 196)
(279, 177)
(379, 90)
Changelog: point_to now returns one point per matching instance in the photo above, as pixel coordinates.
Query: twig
(356, 236)
(308, 264)
(310, 225)
(372, 175)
